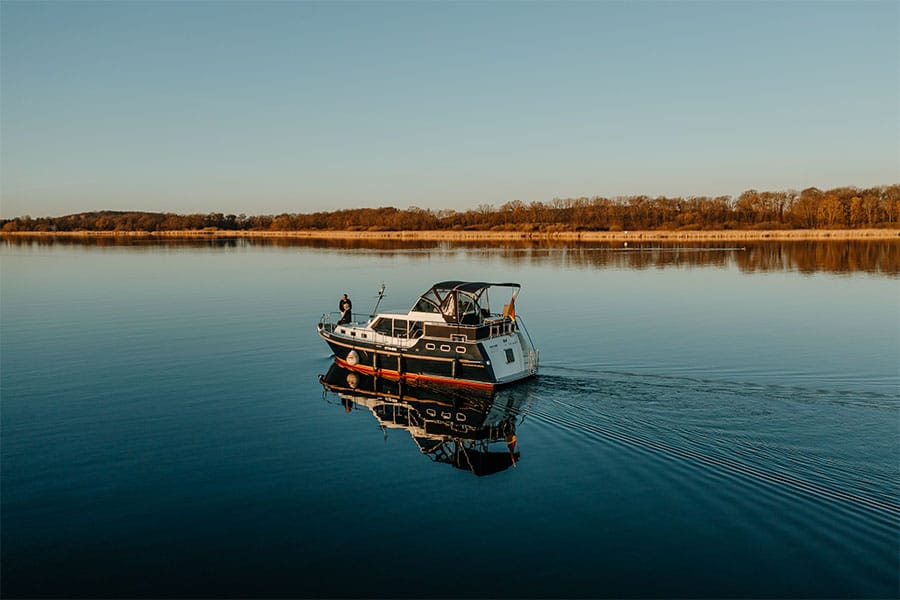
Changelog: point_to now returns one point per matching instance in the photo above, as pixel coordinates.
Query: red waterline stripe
(413, 377)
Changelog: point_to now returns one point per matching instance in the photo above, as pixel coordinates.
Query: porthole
(461, 349)
(445, 348)
(429, 346)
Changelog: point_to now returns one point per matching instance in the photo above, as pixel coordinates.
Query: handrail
(535, 354)
(332, 318)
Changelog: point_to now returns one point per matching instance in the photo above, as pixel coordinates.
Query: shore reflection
(470, 430)
(878, 257)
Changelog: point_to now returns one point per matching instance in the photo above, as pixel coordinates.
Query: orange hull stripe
(413, 377)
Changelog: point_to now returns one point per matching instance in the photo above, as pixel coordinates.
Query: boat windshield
(429, 302)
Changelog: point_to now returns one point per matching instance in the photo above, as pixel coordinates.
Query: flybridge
(463, 302)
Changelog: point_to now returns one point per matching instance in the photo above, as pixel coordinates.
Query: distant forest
(812, 208)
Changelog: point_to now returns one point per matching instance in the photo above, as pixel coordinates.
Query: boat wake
(800, 443)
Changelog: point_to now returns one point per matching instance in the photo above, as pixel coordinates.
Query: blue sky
(269, 107)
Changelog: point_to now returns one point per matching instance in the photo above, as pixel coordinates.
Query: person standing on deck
(346, 308)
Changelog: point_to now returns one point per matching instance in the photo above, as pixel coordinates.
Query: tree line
(812, 208)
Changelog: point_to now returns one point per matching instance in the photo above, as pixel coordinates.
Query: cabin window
(510, 355)
(415, 329)
(383, 326)
(400, 326)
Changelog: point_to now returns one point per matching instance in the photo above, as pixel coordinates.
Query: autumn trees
(812, 208)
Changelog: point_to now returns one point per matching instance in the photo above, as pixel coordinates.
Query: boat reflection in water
(471, 430)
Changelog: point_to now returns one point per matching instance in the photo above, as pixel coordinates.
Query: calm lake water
(708, 422)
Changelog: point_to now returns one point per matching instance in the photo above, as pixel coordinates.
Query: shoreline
(491, 236)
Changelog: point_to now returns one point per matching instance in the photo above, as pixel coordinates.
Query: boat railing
(534, 355)
(499, 325)
(329, 320)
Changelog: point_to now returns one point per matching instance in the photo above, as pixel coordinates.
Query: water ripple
(688, 428)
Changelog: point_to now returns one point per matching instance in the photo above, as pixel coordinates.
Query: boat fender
(352, 358)
(352, 380)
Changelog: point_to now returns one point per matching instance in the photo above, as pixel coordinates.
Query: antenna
(380, 297)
